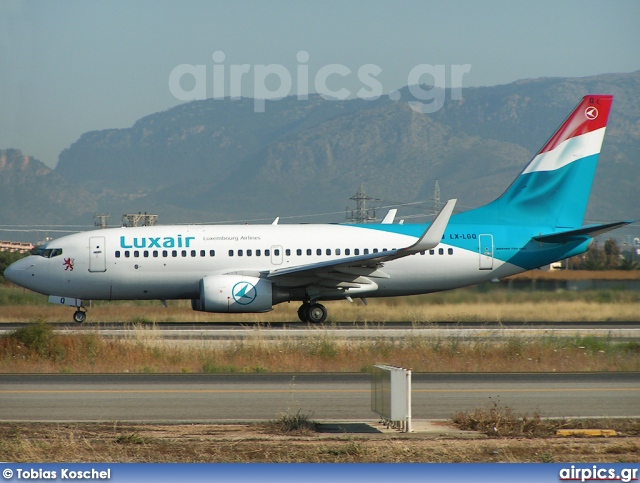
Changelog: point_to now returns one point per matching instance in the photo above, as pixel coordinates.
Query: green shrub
(39, 338)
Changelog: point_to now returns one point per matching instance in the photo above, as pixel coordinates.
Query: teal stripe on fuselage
(512, 244)
(536, 203)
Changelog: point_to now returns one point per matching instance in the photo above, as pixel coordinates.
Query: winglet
(433, 235)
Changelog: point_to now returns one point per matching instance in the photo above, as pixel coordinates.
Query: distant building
(11, 246)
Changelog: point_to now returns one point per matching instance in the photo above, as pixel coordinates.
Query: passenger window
(276, 252)
(298, 252)
(432, 252)
(249, 252)
(203, 253)
(423, 252)
(309, 251)
(212, 253)
(165, 253)
(240, 253)
(184, 253)
(136, 254)
(267, 253)
(230, 253)
(146, 254)
(356, 251)
(440, 251)
(193, 253)
(375, 250)
(155, 254)
(117, 253)
(450, 251)
(328, 251)
(366, 251)
(319, 251)
(347, 251)
(287, 252)
(174, 253)
(126, 254)
(258, 253)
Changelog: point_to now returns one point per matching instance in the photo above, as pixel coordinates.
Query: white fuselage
(168, 262)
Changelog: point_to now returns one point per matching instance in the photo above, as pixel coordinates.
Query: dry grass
(143, 351)
(498, 421)
(578, 275)
(486, 303)
(48, 352)
(114, 442)
(376, 312)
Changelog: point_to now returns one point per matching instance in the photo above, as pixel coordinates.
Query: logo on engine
(244, 293)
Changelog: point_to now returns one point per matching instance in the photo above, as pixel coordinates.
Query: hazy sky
(67, 67)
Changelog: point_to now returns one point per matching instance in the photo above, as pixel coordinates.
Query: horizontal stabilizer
(570, 235)
(391, 215)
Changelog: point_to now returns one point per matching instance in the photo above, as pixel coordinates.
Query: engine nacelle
(234, 293)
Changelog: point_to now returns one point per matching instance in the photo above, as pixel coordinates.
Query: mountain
(30, 192)
(217, 160)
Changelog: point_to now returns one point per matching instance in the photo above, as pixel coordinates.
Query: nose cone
(16, 272)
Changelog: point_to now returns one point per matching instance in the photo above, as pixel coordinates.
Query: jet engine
(234, 293)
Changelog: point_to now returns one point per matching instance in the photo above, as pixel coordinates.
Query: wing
(356, 272)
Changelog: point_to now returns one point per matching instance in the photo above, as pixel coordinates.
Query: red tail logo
(591, 112)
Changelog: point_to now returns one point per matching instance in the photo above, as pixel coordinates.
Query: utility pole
(100, 220)
(436, 198)
(361, 213)
(139, 219)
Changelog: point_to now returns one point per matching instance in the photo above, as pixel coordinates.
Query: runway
(618, 330)
(250, 397)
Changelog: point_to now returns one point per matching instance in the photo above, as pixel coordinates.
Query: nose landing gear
(80, 315)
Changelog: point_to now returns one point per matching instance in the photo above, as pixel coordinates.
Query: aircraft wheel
(79, 316)
(303, 312)
(317, 313)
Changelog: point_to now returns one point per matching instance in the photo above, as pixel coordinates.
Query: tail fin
(553, 189)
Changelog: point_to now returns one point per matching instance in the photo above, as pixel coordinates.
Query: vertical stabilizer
(553, 190)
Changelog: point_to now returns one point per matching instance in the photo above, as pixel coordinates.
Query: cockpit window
(48, 252)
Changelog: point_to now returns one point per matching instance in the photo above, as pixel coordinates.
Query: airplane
(250, 268)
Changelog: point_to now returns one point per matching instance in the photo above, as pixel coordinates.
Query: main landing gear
(312, 312)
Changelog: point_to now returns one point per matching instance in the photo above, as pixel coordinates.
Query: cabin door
(97, 259)
(485, 248)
